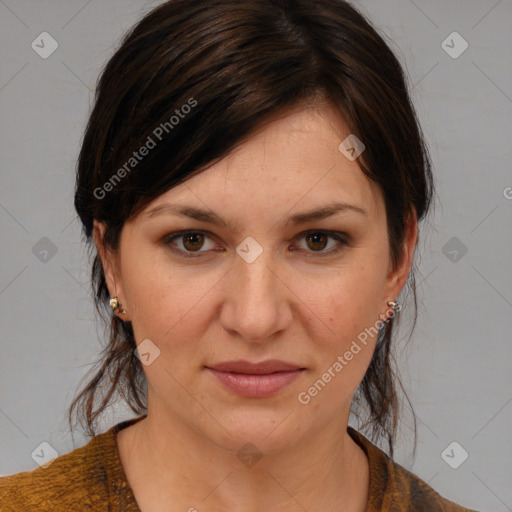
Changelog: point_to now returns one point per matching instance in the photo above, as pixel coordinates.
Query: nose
(256, 305)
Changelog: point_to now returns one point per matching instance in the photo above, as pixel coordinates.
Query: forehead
(291, 160)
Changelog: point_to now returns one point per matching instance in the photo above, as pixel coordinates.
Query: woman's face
(261, 278)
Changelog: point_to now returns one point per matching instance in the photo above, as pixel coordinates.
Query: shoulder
(418, 495)
(395, 489)
(74, 481)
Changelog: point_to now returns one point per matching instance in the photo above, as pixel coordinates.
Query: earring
(395, 306)
(116, 306)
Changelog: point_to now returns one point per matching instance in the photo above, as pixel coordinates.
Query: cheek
(346, 315)
(349, 301)
(344, 351)
(168, 303)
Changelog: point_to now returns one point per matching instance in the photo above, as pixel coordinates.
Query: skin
(291, 304)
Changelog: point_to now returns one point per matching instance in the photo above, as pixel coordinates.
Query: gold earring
(117, 306)
(395, 306)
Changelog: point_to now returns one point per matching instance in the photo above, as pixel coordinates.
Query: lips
(255, 380)
(262, 368)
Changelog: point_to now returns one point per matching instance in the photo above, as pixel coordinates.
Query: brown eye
(317, 241)
(193, 241)
(189, 243)
(322, 243)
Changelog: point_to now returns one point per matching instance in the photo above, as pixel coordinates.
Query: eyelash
(340, 237)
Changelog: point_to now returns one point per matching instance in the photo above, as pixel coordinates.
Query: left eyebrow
(324, 212)
(212, 218)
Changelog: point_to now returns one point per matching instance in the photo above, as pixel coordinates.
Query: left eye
(191, 242)
(317, 241)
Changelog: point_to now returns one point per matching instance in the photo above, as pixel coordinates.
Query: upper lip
(261, 368)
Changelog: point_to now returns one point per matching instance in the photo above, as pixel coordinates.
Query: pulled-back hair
(235, 63)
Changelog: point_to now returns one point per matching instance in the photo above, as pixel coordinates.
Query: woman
(252, 177)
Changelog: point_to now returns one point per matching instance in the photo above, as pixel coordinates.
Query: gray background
(456, 367)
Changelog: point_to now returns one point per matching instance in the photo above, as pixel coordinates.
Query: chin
(270, 431)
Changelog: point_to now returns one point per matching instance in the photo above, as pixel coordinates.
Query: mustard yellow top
(91, 478)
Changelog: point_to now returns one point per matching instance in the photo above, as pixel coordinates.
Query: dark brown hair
(236, 63)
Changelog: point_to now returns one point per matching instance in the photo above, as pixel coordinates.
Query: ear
(397, 277)
(111, 268)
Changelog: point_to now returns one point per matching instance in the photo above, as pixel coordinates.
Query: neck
(167, 462)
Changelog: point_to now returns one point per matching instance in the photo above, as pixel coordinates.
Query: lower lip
(256, 386)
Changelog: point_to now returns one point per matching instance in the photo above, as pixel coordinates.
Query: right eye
(189, 243)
